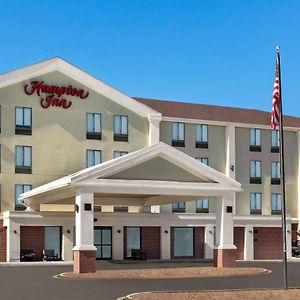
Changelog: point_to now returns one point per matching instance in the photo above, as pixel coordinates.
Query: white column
(84, 220)
(230, 157)
(209, 241)
(67, 243)
(154, 122)
(248, 243)
(165, 242)
(224, 223)
(118, 243)
(13, 241)
(289, 240)
(298, 179)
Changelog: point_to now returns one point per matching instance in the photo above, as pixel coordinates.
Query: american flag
(275, 118)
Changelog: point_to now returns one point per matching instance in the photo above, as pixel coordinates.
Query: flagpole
(283, 210)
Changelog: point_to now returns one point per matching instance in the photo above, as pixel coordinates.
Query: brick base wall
(224, 258)
(84, 262)
(3, 240)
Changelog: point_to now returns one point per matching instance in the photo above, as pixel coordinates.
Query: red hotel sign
(54, 95)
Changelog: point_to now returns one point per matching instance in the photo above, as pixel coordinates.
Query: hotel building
(88, 171)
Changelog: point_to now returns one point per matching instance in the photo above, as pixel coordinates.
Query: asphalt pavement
(37, 282)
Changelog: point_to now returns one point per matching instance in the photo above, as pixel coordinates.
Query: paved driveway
(36, 282)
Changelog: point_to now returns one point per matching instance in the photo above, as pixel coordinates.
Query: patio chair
(49, 255)
(27, 255)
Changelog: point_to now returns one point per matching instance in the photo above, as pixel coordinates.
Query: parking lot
(36, 282)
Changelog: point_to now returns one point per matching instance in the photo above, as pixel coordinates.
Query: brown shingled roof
(214, 112)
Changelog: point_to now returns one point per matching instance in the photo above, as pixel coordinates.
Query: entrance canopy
(155, 175)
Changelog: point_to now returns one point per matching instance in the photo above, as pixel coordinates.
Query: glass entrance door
(102, 241)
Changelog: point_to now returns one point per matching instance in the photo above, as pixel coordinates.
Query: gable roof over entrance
(62, 66)
(153, 171)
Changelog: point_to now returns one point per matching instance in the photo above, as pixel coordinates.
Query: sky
(200, 51)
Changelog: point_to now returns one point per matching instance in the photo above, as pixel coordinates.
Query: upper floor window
(275, 141)
(119, 153)
(276, 203)
(255, 171)
(255, 203)
(23, 160)
(255, 139)
(20, 189)
(275, 176)
(201, 136)
(93, 157)
(178, 139)
(121, 128)
(203, 160)
(93, 126)
(202, 206)
(23, 121)
(178, 207)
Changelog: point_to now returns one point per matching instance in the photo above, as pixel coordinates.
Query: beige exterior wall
(215, 153)
(243, 157)
(58, 138)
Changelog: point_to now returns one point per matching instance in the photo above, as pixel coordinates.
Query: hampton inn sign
(54, 94)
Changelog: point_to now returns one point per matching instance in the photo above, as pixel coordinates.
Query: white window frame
(255, 137)
(24, 188)
(276, 202)
(25, 117)
(122, 122)
(255, 169)
(119, 153)
(202, 133)
(93, 123)
(178, 131)
(93, 152)
(255, 202)
(23, 152)
(275, 170)
(275, 138)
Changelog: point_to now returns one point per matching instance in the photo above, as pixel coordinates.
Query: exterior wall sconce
(119, 231)
(288, 231)
(95, 219)
(250, 231)
(210, 231)
(69, 231)
(166, 231)
(15, 231)
(232, 168)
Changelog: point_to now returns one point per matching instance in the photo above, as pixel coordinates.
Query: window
(93, 157)
(178, 207)
(255, 139)
(275, 141)
(255, 171)
(23, 121)
(276, 204)
(93, 126)
(23, 160)
(201, 136)
(203, 160)
(120, 208)
(202, 206)
(255, 203)
(20, 189)
(275, 178)
(52, 239)
(119, 153)
(183, 241)
(178, 134)
(133, 240)
(121, 128)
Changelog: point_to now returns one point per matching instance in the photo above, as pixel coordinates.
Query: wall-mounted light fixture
(68, 231)
(95, 219)
(210, 231)
(15, 231)
(119, 231)
(232, 168)
(250, 231)
(288, 231)
(166, 231)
